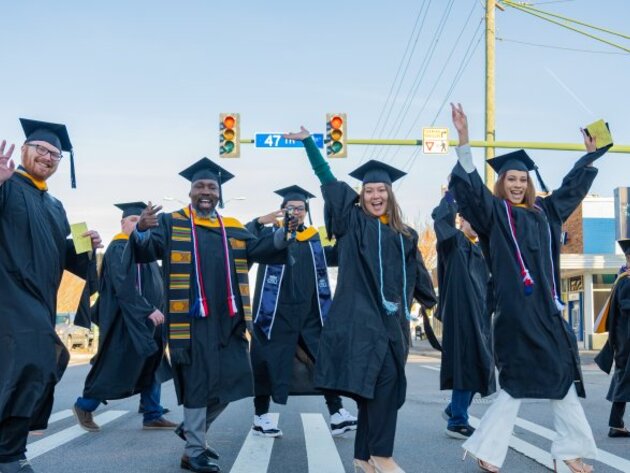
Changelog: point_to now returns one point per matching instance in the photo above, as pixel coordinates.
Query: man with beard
(129, 316)
(206, 258)
(291, 307)
(34, 252)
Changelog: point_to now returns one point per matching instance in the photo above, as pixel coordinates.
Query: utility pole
(490, 90)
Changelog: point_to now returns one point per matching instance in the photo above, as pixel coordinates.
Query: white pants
(574, 438)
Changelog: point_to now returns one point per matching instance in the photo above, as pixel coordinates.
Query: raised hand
(149, 217)
(460, 121)
(299, 136)
(589, 141)
(7, 165)
(271, 217)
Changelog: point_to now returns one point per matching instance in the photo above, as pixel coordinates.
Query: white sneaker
(265, 426)
(341, 422)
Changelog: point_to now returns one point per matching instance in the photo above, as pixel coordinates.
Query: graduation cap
(54, 134)
(131, 208)
(377, 171)
(206, 169)
(516, 161)
(296, 193)
(624, 245)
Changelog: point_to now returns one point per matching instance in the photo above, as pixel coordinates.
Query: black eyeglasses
(300, 208)
(43, 151)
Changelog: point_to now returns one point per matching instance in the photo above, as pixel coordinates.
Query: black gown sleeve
(332, 255)
(254, 227)
(474, 200)
(262, 250)
(339, 202)
(444, 222)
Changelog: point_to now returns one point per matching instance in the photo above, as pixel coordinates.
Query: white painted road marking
(255, 453)
(321, 452)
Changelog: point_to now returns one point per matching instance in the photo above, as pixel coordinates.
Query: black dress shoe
(211, 452)
(199, 464)
(17, 466)
(613, 432)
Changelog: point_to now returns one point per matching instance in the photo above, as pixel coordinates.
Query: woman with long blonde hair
(364, 344)
(535, 350)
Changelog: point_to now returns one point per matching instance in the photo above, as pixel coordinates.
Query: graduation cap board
(517, 160)
(601, 132)
(377, 171)
(131, 208)
(296, 193)
(624, 245)
(206, 169)
(55, 134)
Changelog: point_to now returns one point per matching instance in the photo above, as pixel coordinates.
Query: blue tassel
(390, 307)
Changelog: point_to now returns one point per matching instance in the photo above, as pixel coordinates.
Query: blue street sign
(275, 140)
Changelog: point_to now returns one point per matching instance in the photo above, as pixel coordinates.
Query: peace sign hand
(7, 165)
(149, 217)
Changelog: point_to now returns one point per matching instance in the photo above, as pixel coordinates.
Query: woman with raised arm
(364, 345)
(535, 350)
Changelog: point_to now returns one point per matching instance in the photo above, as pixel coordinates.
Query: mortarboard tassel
(220, 192)
(543, 187)
(73, 177)
(308, 211)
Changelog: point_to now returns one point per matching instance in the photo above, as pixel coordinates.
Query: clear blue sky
(140, 85)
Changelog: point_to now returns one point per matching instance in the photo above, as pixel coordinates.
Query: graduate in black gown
(615, 319)
(291, 305)
(205, 261)
(535, 349)
(467, 365)
(364, 345)
(34, 251)
(129, 314)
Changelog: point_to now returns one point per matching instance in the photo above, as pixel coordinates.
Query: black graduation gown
(535, 349)
(130, 348)
(619, 338)
(278, 372)
(219, 368)
(358, 333)
(34, 251)
(467, 361)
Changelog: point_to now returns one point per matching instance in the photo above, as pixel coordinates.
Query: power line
(439, 77)
(421, 73)
(400, 66)
(549, 46)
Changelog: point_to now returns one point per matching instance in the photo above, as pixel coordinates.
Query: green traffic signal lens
(336, 147)
(228, 147)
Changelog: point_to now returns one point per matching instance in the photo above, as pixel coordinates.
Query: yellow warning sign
(435, 140)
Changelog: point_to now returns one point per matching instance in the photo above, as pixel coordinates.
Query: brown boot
(85, 419)
(159, 424)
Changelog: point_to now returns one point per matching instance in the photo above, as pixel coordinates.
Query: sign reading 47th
(276, 140)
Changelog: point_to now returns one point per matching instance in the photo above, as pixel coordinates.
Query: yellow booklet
(81, 244)
(600, 131)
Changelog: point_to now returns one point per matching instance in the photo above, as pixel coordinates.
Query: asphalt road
(421, 445)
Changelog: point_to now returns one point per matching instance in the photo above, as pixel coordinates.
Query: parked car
(71, 335)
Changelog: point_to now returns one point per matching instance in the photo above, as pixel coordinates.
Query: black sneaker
(460, 432)
(617, 433)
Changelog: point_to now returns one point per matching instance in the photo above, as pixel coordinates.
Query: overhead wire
(550, 46)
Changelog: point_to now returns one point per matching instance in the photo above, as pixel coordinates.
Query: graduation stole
(272, 282)
(186, 273)
(41, 185)
(602, 318)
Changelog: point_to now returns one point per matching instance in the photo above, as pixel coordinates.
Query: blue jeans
(150, 399)
(458, 407)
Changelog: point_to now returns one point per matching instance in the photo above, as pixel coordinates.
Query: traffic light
(336, 135)
(229, 135)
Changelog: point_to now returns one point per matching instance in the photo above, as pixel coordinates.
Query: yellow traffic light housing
(229, 135)
(336, 135)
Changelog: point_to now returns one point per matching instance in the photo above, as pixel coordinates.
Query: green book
(82, 244)
(601, 132)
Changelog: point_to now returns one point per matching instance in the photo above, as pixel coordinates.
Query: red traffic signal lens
(229, 121)
(336, 147)
(336, 121)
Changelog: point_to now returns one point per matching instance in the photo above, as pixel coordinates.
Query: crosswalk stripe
(255, 453)
(47, 444)
(603, 456)
(321, 452)
(61, 415)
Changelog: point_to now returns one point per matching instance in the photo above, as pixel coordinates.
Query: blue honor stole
(272, 282)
